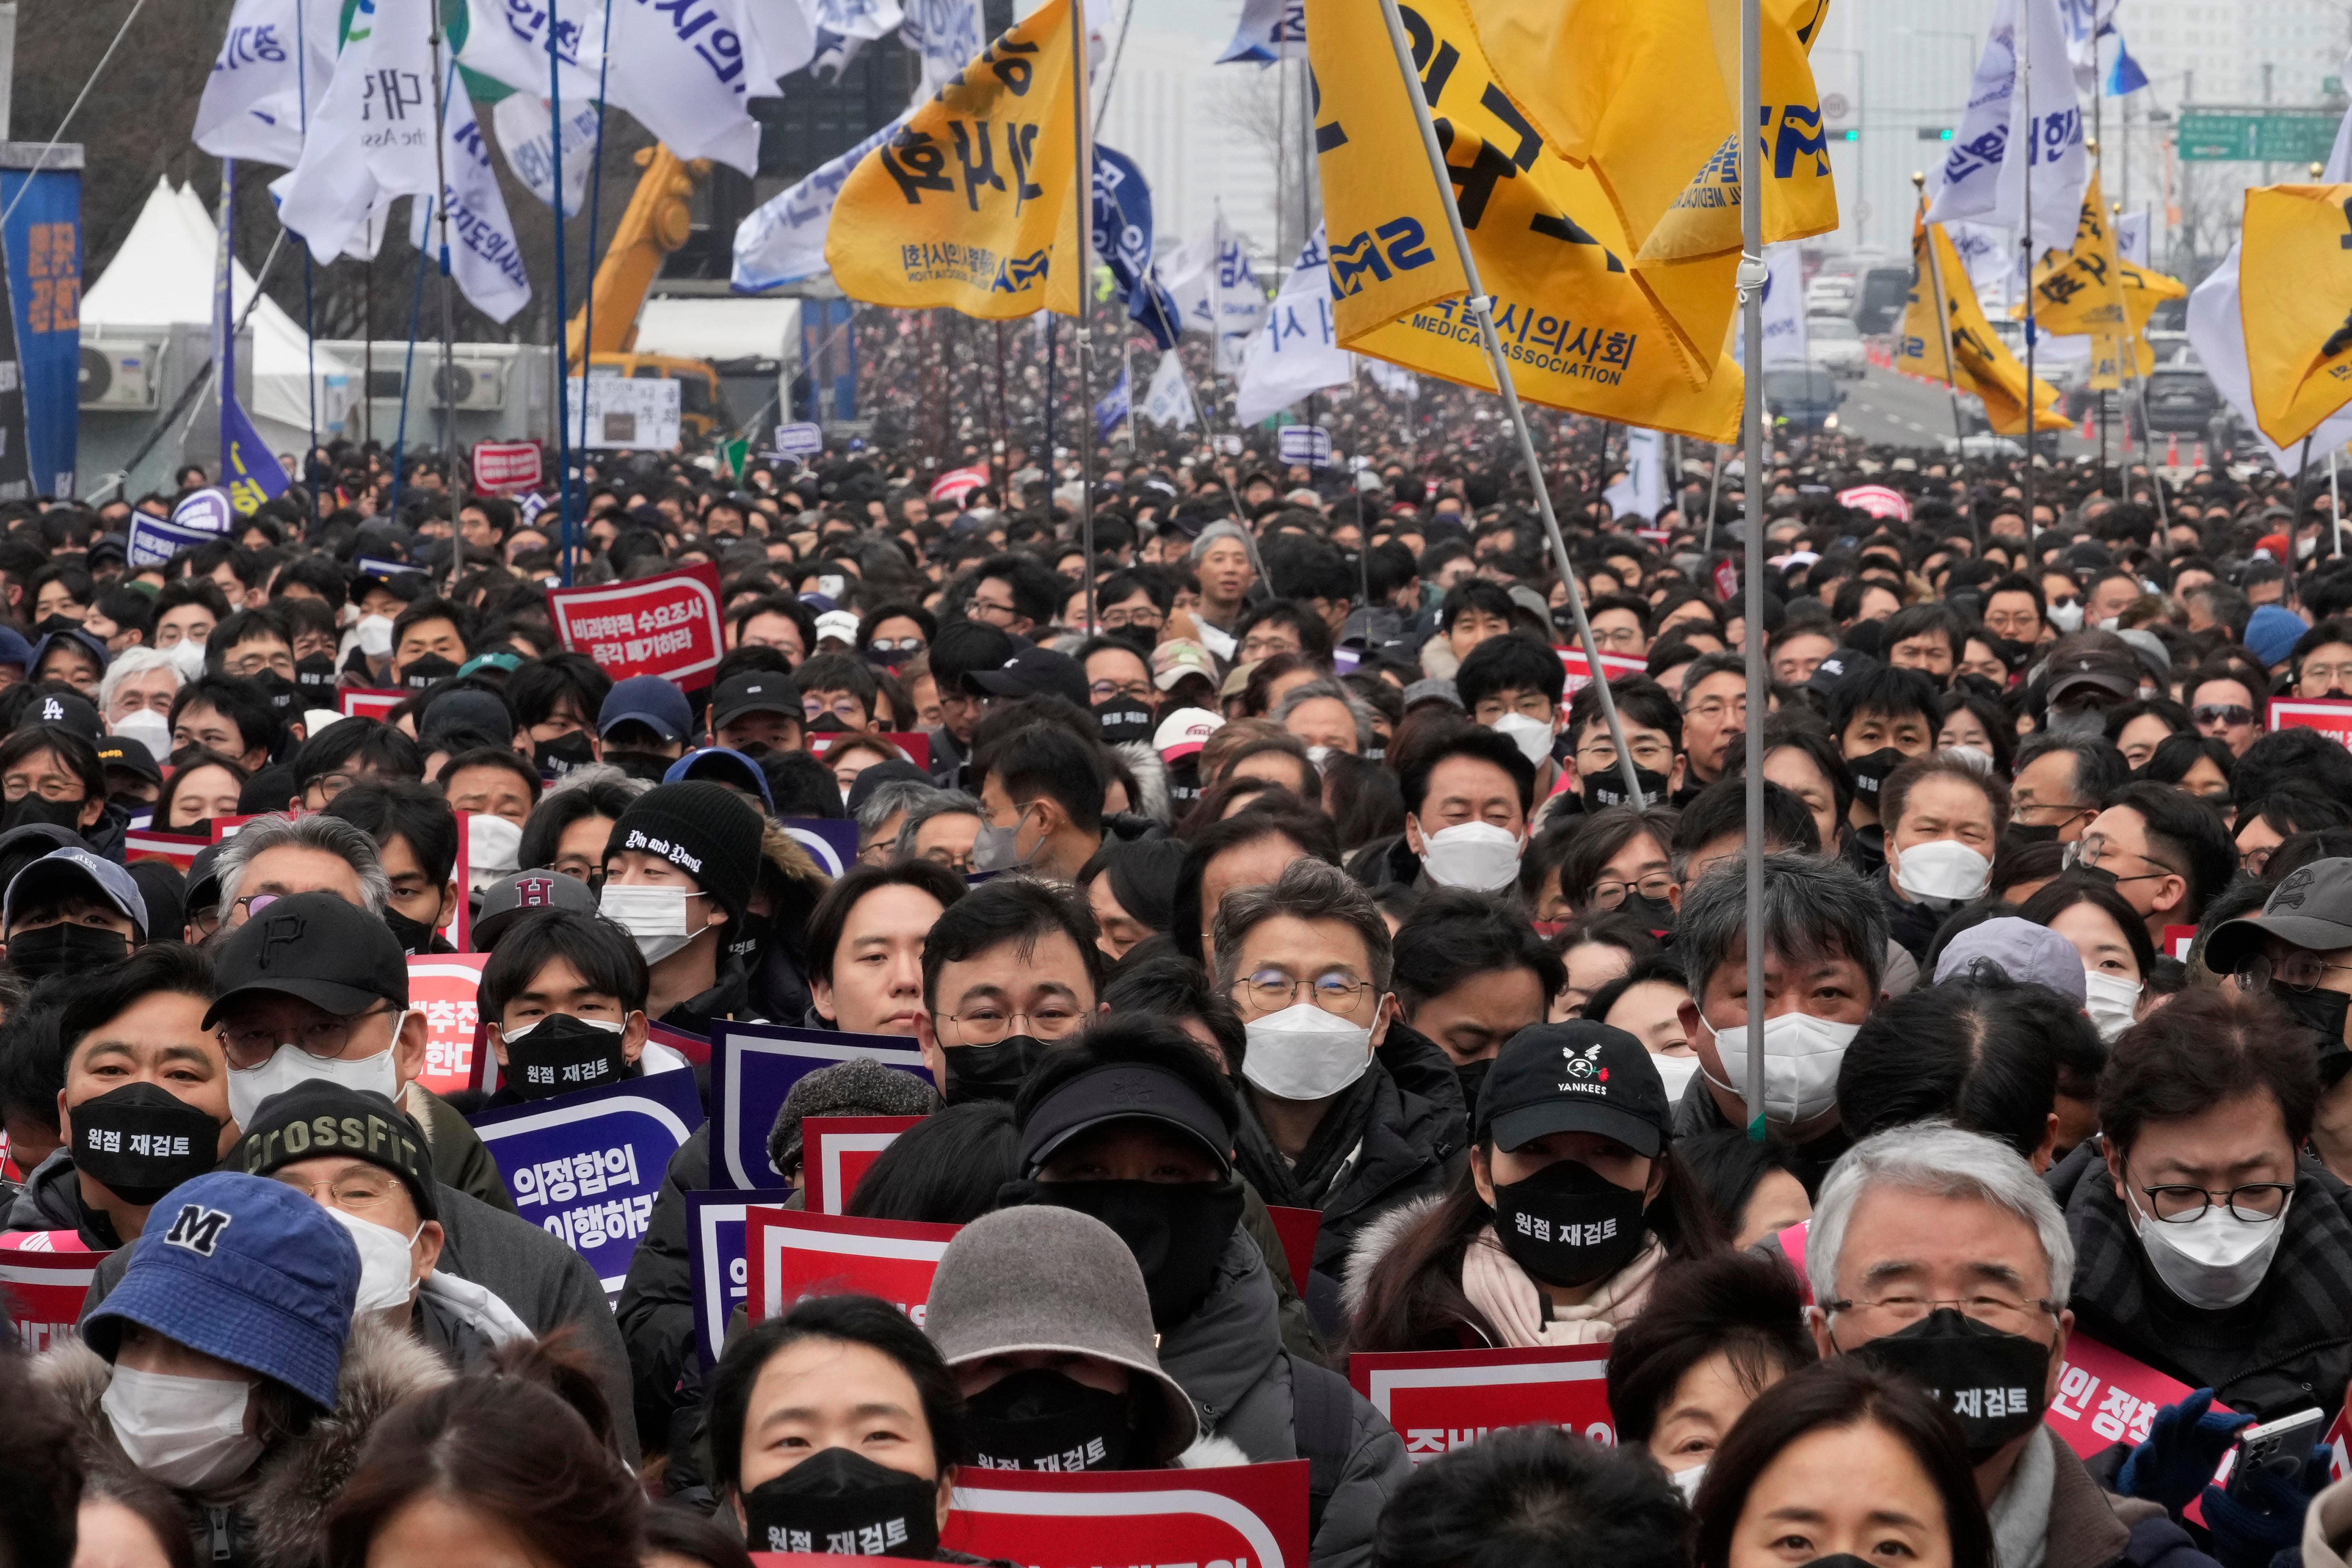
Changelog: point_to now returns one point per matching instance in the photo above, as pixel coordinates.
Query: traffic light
(1854, 136)
(1935, 134)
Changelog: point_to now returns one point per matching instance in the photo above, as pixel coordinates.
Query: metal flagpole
(1942, 316)
(1480, 306)
(1086, 225)
(1753, 276)
(2032, 151)
(562, 332)
(2334, 508)
(1714, 489)
(448, 303)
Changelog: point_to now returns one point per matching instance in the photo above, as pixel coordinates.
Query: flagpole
(1714, 489)
(1481, 307)
(562, 316)
(224, 307)
(2033, 149)
(1753, 276)
(1085, 178)
(448, 300)
(2334, 508)
(1943, 317)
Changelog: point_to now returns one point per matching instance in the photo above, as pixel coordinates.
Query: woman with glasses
(894, 634)
(1620, 861)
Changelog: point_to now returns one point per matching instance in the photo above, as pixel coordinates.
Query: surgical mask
(2314, 1009)
(65, 947)
(374, 632)
(993, 848)
(1686, 1482)
(1943, 869)
(188, 657)
(2067, 618)
(991, 1072)
(559, 1053)
(414, 935)
(387, 1264)
(1802, 1056)
(2214, 1261)
(186, 1432)
(1318, 756)
(1475, 855)
(140, 1140)
(654, 918)
(1569, 1224)
(492, 845)
(1306, 1053)
(1677, 1072)
(1532, 736)
(2110, 1003)
(1607, 788)
(2304, 549)
(1656, 914)
(841, 1503)
(151, 730)
(291, 1064)
(1042, 1420)
(1994, 1382)
(2028, 833)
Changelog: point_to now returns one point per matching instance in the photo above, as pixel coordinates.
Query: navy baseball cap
(243, 1268)
(723, 764)
(66, 872)
(646, 699)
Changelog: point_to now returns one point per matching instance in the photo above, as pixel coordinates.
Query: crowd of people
(1272, 857)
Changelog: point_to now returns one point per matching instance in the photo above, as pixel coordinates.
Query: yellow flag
(2295, 300)
(973, 204)
(2143, 290)
(1648, 97)
(1579, 327)
(1964, 345)
(2080, 290)
(2113, 357)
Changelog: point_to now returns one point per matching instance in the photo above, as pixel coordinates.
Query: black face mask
(1870, 771)
(1569, 1224)
(1993, 1382)
(284, 695)
(564, 752)
(1656, 914)
(1142, 639)
(35, 808)
(61, 949)
(1978, 685)
(1177, 1231)
(2014, 653)
(1041, 1420)
(414, 935)
(1608, 788)
(561, 1054)
(316, 672)
(991, 1072)
(53, 624)
(138, 1142)
(647, 765)
(1472, 1076)
(843, 1504)
(1183, 782)
(1123, 719)
(2316, 1009)
(2028, 833)
(418, 674)
(890, 657)
(825, 724)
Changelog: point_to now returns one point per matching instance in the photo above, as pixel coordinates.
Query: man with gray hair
(1938, 1253)
(1330, 1119)
(275, 857)
(1825, 969)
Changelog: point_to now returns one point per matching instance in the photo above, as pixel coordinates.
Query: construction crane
(657, 221)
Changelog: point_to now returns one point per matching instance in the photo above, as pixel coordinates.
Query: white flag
(2084, 21)
(783, 33)
(2131, 237)
(527, 136)
(1168, 401)
(371, 137)
(1298, 350)
(1269, 30)
(483, 256)
(1990, 256)
(867, 19)
(1391, 378)
(1643, 491)
(1217, 292)
(947, 34)
(782, 239)
(274, 51)
(2047, 134)
(686, 71)
(505, 40)
(1785, 345)
(1185, 272)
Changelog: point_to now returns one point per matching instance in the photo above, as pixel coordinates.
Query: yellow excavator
(656, 222)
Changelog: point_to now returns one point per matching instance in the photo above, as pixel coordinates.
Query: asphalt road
(1896, 409)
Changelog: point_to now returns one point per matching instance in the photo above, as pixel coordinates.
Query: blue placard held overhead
(584, 1167)
(754, 1066)
(1308, 444)
(716, 1253)
(799, 440)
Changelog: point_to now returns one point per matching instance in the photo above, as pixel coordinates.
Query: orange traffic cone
(2090, 429)
(2198, 461)
(2172, 451)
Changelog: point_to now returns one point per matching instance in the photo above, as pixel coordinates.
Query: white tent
(163, 275)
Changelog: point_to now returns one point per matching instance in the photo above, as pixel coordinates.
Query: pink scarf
(1501, 1289)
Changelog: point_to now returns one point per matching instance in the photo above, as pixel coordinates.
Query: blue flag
(249, 469)
(1122, 239)
(2125, 75)
(1111, 412)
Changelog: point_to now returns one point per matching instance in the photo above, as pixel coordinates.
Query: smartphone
(2281, 1446)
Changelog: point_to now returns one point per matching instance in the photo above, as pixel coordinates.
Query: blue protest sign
(830, 841)
(754, 1066)
(152, 541)
(584, 1167)
(715, 1253)
(208, 509)
(1310, 444)
(799, 440)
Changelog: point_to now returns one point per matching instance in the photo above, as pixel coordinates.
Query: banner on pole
(833, 841)
(837, 1150)
(793, 1254)
(754, 1066)
(1443, 1400)
(1240, 1516)
(1613, 665)
(626, 411)
(800, 440)
(667, 626)
(369, 703)
(178, 848)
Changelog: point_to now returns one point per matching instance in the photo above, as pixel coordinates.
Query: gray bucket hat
(986, 1301)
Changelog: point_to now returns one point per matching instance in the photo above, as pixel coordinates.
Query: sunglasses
(2222, 713)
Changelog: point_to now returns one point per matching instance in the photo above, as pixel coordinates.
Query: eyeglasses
(986, 1023)
(1271, 990)
(2071, 810)
(1714, 709)
(2298, 971)
(1142, 620)
(1257, 648)
(329, 785)
(895, 644)
(1988, 1305)
(2221, 713)
(2092, 855)
(253, 664)
(1104, 690)
(845, 706)
(324, 1037)
(2253, 1204)
(977, 607)
(1609, 895)
(359, 1192)
(2326, 674)
(1598, 756)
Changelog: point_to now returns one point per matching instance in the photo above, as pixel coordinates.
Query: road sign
(2247, 136)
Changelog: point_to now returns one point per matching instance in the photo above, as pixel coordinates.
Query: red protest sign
(836, 1151)
(796, 1255)
(2105, 1397)
(506, 465)
(666, 626)
(441, 986)
(1726, 582)
(2338, 1444)
(179, 848)
(226, 828)
(1441, 1400)
(915, 747)
(695, 1049)
(2331, 716)
(370, 702)
(43, 1286)
(1613, 665)
(2177, 941)
(1297, 1229)
(1239, 1516)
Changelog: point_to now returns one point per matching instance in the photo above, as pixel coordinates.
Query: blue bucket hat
(243, 1268)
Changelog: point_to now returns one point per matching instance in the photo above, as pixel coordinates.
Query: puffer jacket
(274, 1517)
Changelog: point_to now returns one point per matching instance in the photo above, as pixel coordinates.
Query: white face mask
(2214, 1261)
(1802, 1056)
(2110, 1003)
(1678, 1072)
(654, 917)
(186, 1432)
(2067, 618)
(1306, 1053)
(376, 636)
(1941, 869)
(1686, 1482)
(1473, 855)
(187, 658)
(1532, 736)
(492, 845)
(1318, 756)
(290, 1065)
(387, 1264)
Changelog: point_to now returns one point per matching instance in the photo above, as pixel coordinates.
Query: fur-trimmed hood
(277, 1519)
(1379, 1238)
(791, 858)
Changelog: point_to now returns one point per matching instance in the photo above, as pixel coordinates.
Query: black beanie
(316, 1119)
(704, 830)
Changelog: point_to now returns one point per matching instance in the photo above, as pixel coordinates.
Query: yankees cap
(1577, 1077)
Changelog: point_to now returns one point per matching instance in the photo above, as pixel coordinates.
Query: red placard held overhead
(2331, 716)
(506, 465)
(179, 848)
(792, 1255)
(836, 1151)
(1240, 1516)
(1441, 1400)
(1613, 665)
(370, 702)
(916, 747)
(442, 987)
(667, 626)
(42, 1287)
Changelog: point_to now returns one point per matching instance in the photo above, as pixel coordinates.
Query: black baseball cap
(2312, 907)
(329, 953)
(964, 646)
(1125, 1091)
(131, 756)
(758, 691)
(1034, 672)
(1577, 1077)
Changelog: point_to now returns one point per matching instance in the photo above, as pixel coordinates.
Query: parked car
(2181, 398)
(1836, 344)
(1878, 307)
(1801, 400)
